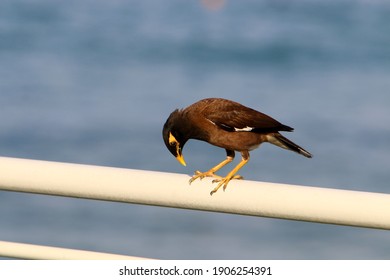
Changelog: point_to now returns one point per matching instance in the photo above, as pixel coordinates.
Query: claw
(223, 182)
(236, 177)
(202, 175)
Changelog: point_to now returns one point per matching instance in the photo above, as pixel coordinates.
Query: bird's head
(173, 137)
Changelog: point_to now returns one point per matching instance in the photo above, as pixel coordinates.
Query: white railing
(312, 204)
(36, 252)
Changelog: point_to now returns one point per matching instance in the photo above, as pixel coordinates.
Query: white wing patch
(211, 121)
(247, 129)
(244, 129)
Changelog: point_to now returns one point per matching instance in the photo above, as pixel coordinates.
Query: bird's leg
(232, 174)
(211, 172)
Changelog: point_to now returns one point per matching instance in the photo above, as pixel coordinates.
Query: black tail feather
(281, 141)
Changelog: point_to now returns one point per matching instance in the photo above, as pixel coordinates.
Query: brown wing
(233, 116)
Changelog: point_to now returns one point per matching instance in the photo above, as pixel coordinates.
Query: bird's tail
(281, 141)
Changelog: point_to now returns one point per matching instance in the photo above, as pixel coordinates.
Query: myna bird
(226, 124)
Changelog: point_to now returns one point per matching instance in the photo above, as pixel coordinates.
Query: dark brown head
(174, 136)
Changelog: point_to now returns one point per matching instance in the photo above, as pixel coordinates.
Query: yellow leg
(211, 172)
(231, 175)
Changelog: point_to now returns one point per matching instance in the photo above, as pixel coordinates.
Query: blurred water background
(93, 82)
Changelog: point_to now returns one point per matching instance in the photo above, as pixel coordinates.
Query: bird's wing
(232, 116)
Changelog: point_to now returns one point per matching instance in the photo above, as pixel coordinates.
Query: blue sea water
(93, 82)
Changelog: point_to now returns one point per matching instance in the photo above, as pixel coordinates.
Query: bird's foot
(223, 182)
(202, 175)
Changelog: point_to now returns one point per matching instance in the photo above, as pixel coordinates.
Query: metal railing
(312, 204)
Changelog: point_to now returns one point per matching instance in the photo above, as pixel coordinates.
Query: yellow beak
(180, 159)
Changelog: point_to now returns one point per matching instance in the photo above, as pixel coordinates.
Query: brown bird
(226, 124)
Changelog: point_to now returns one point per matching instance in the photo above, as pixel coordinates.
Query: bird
(226, 124)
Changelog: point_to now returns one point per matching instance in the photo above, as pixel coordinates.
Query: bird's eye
(172, 143)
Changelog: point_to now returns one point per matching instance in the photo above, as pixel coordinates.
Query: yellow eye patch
(172, 140)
